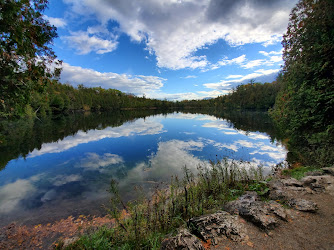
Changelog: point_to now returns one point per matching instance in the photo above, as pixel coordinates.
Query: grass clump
(299, 172)
(143, 223)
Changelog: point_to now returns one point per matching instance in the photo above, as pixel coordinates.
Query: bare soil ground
(302, 231)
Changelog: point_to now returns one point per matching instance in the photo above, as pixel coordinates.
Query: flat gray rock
(183, 240)
(266, 215)
(329, 171)
(318, 183)
(303, 205)
(291, 182)
(217, 227)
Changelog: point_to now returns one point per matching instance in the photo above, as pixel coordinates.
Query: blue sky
(174, 49)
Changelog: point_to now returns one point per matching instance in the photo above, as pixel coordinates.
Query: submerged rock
(303, 205)
(260, 213)
(183, 240)
(218, 226)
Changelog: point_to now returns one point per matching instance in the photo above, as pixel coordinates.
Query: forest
(64, 98)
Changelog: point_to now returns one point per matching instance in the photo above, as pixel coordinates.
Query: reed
(148, 221)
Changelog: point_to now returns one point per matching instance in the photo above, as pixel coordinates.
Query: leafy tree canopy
(25, 53)
(305, 106)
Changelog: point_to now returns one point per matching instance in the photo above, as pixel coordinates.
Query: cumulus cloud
(58, 22)
(137, 84)
(260, 75)
(85, 43)
(175, 30)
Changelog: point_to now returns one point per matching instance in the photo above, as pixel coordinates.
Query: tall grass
(148, 221)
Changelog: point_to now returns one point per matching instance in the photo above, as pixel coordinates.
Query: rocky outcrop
(266, 215)
(303, 205)
(323, 183)
(183, 240)
(222, 225)
(218, 226)
(285, 189)
(329, 171)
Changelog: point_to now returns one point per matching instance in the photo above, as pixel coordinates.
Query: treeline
(250, 96)
(247, 96)
(63, 98)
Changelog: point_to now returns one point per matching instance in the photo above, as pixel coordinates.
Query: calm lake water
(63, 166)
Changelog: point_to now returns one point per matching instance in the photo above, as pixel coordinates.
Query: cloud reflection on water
(138, 127)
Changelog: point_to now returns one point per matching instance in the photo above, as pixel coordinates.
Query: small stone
(183, 240)
(70, 241)
(303, 205)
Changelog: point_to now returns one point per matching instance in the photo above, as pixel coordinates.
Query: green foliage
(299, 172)
(247, 96)
(251, 96)
(304, 108)
(25, 52)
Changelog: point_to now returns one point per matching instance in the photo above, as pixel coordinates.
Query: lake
(61, 166)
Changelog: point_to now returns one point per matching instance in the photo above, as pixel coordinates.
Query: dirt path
(303, 230)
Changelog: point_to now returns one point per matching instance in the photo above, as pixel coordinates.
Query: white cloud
(12, 193)
(271, 53)
(137, 84)
(244, 143)
(238, 60)
(254, 63)
(190, 76)
(175, 30)
(93, 161)
(256, 136)
(58, 22)
(274, 56)
(220, 125)
(85, 43)
(234, 76)
(60, 180)
(138, 127)
(228, 84)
